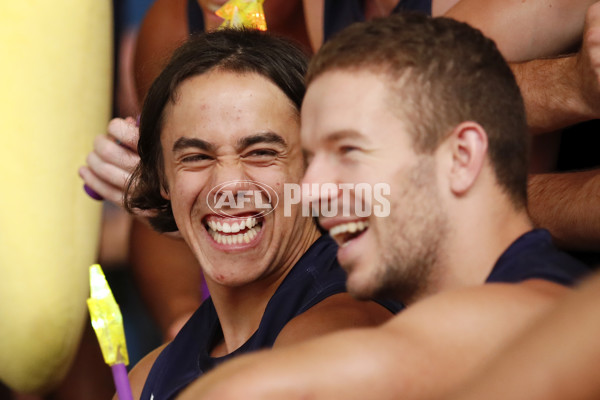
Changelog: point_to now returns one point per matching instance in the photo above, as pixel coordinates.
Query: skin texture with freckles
(221, 118)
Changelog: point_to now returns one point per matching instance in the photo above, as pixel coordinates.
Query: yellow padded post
(55, 90)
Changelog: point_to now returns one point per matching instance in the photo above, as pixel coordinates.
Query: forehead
(222, 104)
(360, 102)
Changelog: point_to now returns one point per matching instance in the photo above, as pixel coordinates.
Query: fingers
(113, 175)
(113, 159)
(111, 152)
(101, 187)
(124, 131)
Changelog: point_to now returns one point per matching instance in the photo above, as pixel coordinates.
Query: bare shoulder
(336, 312)
(489, 301)
(139, 373)
(482, 317)
(461, 330)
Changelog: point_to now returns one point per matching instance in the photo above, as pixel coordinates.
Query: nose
(234, 192)
(229, 170)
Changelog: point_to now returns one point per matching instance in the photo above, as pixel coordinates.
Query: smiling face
(352, 136)
(224, 128)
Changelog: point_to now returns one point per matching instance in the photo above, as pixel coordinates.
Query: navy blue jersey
(533, 256)
(195, 17)
(316, 276)
(338, 14)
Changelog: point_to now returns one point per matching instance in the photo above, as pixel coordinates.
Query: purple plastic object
(119, 373)
(92, 193)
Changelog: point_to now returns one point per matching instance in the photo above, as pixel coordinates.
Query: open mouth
(344, 233)
(232, 231)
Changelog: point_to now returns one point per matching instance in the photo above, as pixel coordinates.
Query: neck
(240, 309)
(480, 232)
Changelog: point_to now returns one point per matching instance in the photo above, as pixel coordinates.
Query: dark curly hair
(234, 50)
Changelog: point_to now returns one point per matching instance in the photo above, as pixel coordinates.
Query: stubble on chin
(411, 245)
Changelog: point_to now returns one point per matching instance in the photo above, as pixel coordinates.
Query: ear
(468, 145)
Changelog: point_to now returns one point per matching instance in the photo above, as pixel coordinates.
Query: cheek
(184, 191)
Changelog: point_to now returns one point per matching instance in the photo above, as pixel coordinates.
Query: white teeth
(351, 227)
(235, 227)
(240, 238)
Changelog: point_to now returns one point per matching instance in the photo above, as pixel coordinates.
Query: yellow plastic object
(55, 88)
(243, 13)
(107, 319)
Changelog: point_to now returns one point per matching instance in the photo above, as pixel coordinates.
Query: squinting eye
(195, 158)
(347, 149)
(262, 153)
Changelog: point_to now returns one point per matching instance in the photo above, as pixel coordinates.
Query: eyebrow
(345, 134)
(266, 137)
(184, 142)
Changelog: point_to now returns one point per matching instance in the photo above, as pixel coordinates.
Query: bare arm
(313, 15)
(423, 353)
(567, 205)
(164, 28)
(558, 92)
(564, 91)
(335, 313)
(557, 358)
(525, 30)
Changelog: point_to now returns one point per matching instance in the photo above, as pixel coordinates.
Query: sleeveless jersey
(534, 256)
(316, 276)
(338, 14)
